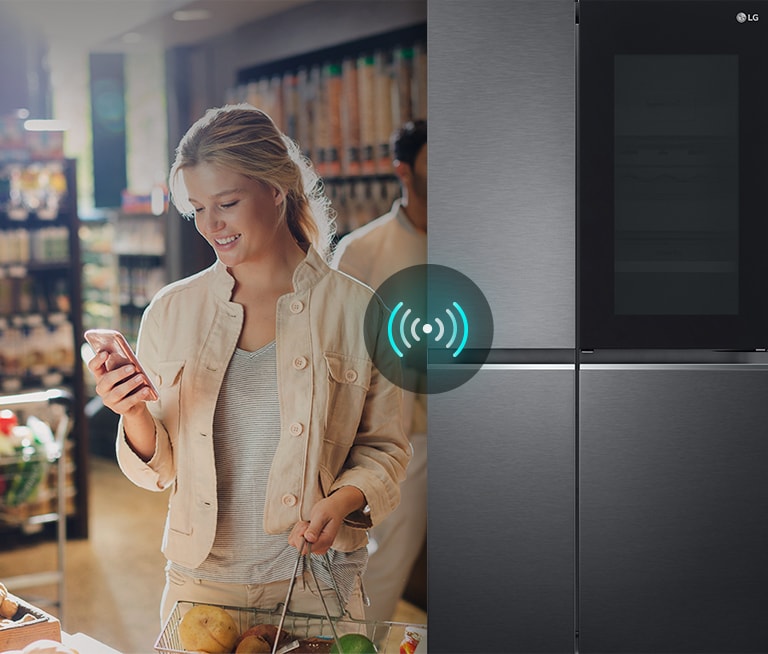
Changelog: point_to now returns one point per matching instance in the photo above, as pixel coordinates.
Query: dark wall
(108, 123)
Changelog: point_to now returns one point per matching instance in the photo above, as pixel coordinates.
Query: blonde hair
(244, 139)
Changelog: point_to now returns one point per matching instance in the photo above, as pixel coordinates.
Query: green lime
(354, 644)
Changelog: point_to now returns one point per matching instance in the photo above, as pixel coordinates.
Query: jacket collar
(308, 273)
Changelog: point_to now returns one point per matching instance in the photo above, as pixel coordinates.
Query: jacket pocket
(348, 381)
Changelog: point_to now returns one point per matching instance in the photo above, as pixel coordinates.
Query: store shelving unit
(342, 104)
(41, 299)
(100, 285)
(140, 251)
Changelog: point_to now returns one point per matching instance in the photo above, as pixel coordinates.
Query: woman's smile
(227, 240)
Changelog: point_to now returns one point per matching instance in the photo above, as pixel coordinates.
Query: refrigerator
(501, 469)
(598, 169)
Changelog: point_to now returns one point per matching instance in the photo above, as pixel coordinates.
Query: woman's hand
(325, 519)
(117, 388)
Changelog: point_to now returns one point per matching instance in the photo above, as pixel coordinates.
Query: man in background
(372, 254)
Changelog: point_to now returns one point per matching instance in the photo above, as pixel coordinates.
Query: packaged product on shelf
(403, 66)
(11, 356)
(49, 244)
(350, 110)
(320, 131)
(15, 208)
(253, 94)
(290, 105)
(6, 296)
(60, 353)
(15, 247)
(277, 106)
(366, 71)
(37, 342)
(334, 97)
(419, 82)
(306, 97)
(124, 281)
(384, 124)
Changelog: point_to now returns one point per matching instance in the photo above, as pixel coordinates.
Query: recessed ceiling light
(191, 14)
(45, 125)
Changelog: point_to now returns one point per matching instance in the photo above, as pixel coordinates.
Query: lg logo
(741, 17)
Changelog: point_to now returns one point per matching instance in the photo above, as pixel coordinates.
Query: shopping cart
(29, 495)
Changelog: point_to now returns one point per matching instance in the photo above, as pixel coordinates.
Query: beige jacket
(338, 413)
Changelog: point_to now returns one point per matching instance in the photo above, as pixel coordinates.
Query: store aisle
(115, 578)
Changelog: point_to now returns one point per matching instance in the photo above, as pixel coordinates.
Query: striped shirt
(246, 427)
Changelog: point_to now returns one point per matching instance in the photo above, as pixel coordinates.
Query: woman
(273, 424)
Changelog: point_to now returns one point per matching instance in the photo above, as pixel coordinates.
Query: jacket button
(300, 363)
(296, 428)
(350, 375)
(297, 306)
(289, 500)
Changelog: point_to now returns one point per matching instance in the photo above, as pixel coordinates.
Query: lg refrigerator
(599, 169)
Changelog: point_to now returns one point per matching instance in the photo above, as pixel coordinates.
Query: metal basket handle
(292, 583)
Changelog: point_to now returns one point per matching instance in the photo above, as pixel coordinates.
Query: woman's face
(238, 216)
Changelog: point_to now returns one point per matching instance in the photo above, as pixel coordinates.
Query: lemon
(354, 644)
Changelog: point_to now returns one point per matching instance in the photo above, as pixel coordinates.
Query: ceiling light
(45, 125)
(191, 14)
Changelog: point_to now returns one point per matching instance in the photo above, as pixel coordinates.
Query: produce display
(212, 630)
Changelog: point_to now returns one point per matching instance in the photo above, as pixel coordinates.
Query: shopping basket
(387, 635)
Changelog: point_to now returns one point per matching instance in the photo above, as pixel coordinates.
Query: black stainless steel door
(673, 164)
(673, 501)
(501, 512)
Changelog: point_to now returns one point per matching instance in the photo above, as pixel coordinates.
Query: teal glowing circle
(436, 329)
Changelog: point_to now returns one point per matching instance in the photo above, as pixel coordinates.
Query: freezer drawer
(673, 499)
(501, 513)
(502, 159)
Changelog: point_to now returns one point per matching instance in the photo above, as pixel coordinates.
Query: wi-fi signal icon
(409, 332)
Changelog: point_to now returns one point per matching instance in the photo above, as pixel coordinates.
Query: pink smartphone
(114, 342)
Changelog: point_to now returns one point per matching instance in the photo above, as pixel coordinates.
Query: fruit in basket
(354, 644)
(207, 628)
(253, 645)
(267, 632)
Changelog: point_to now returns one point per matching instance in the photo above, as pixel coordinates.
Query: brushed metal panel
(501, 526)
(672, 502)
(502, 160)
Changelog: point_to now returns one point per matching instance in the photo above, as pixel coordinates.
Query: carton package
(23, 631)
